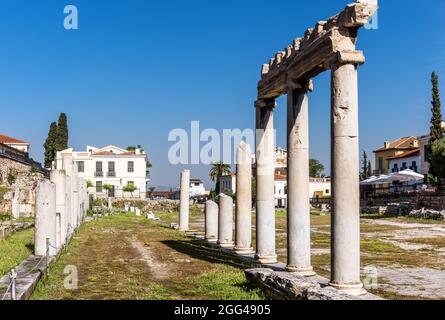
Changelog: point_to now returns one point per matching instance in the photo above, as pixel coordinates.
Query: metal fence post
(13, 276)
(47, 257)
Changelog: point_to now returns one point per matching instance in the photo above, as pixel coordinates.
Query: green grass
(109, 268)
(14, 249)
(224, 283)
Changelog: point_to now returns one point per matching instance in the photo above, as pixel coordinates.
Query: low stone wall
(411, 202)
(25, 183)
(7, 230)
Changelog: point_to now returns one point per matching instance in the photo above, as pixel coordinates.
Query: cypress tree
(369, 172)
(436, 123)
(62, 133)
(365, 170)
(50, 145)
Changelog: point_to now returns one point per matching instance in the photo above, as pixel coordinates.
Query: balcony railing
(99, 174)
(111, 174)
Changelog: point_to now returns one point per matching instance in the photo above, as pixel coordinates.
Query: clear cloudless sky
(137, 69)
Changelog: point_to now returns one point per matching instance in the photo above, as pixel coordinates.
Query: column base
(183, 230)
(226, 245)
(303, 272)
(351, 289)
(212, 240)
(244, 251)
(266, 259)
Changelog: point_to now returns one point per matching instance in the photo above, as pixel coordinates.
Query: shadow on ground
(198, 250)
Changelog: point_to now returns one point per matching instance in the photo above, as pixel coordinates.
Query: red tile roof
(405, 143)
(407, 154)
(7, 139)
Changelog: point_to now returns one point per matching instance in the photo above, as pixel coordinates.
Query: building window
(81, 166)
(99, 186)
(380, 165)
(130, 166)
(99, 172)
(404, 167)
(327, 191)
(414, 166)
(111, 169)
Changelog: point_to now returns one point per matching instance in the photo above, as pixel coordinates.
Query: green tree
(369, 172)
(366, 167)
(436, 130)
(437, 160)
(151, 190)
(62, 133)
(315, 168)
(130, 188)
(217, 170)
(50, 145)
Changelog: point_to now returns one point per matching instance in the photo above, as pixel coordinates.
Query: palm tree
(217, 170)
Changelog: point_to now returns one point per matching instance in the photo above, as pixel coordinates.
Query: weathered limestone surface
(184, 209)
(58, 178)
(211, 221)
(265, 176)
(345, 186)
(310, 55)
(298, 211)
(25, 183)
(290, 286)
(225, 229)
(243, 223)
(45, 218)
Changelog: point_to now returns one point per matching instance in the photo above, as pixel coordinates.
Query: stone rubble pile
(428, 214)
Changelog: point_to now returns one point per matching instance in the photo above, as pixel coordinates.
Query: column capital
(308, 85)
(355, 57)
(266, 103)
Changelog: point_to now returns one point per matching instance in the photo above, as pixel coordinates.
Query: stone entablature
(329, 41)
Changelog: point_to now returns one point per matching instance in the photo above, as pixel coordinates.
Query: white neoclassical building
(197, 188)
(112, 166)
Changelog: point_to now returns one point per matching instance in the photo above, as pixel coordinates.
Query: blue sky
(137, 69)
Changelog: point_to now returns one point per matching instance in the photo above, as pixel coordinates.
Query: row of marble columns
(345, 229)
(61, 206)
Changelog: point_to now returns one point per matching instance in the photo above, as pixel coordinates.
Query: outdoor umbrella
(406, 176)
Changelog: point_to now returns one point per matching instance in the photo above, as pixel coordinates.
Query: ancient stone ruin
(330, 45)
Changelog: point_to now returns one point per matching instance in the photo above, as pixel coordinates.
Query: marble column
(243, 220)
(225, 228)
(345, 163)
(68, 201)
(265, 178)
(211, 222)
(76, 202)
(298, 206)
(45, 225)
(58, 178)
(184, 208)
